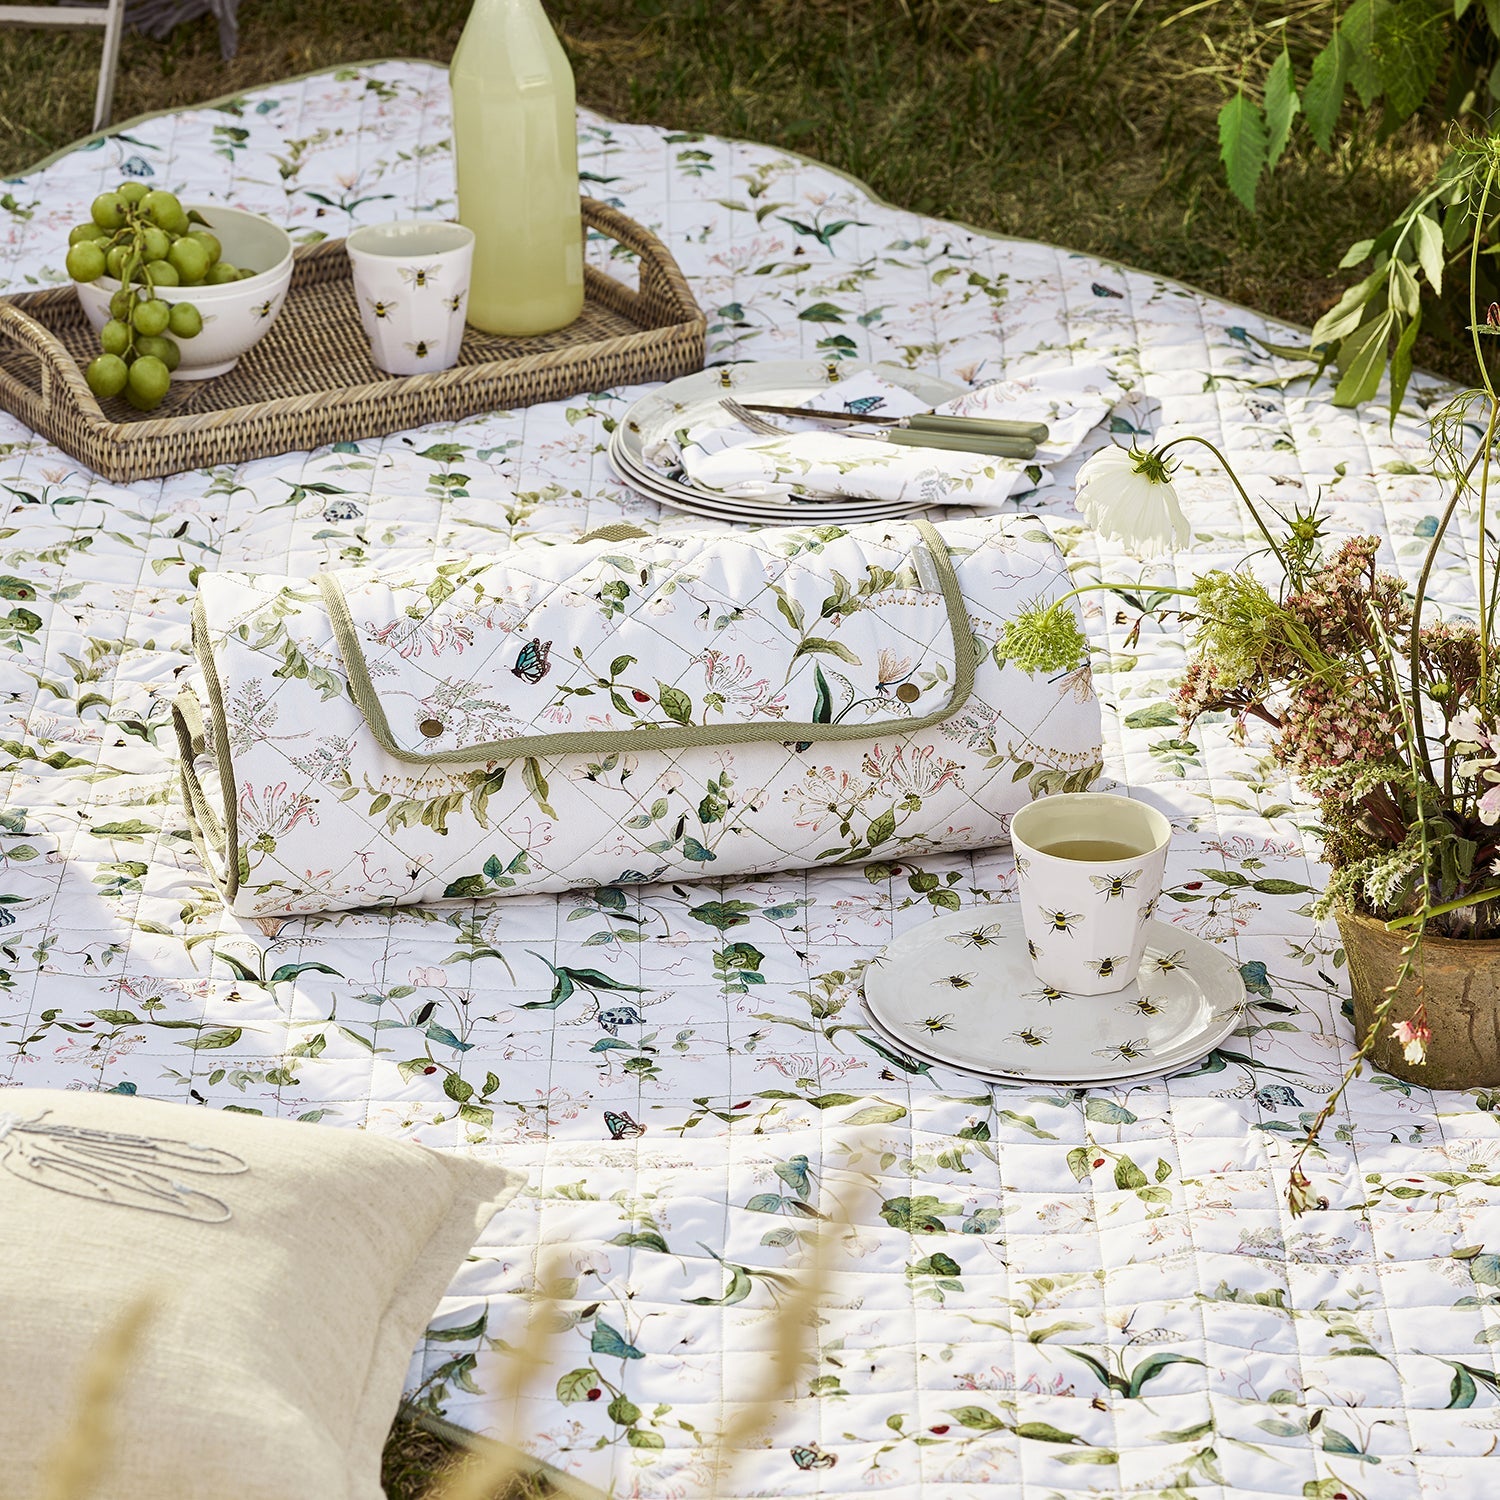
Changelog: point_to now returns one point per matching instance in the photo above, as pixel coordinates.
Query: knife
(1035, 432)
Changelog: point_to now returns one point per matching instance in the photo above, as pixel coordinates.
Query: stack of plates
(960, 991)
(649, 425)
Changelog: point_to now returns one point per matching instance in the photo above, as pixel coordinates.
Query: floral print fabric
(617, 712)
(1030, 1293)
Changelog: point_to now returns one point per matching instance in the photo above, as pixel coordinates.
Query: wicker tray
(310, 381)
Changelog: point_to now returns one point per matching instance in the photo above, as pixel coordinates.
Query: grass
(1087, 123)
(416, 1464)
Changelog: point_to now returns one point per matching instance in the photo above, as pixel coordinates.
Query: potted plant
(1384, 710)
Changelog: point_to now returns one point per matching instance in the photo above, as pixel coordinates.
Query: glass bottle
(515, 143)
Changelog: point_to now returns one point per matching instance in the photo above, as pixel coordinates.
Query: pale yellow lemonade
(516, 147)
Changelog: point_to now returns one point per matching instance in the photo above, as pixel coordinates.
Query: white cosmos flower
(1127, 495)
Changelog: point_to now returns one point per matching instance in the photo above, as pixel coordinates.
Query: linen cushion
(293, 1269)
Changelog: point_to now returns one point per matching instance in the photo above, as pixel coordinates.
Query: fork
(905, 437)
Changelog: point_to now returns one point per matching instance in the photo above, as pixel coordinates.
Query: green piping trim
(187, 717)
(229, 884)
(580, 742)
(187, 720)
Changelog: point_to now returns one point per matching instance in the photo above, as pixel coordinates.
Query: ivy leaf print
(291, 971)
(833, 648)
(722, 915)
(536, 784)
(737, 1290)
(675, 703)
(566, 980)
(916, 1215)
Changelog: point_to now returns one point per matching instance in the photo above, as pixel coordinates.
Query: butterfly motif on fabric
(534, 661)
(621, 1126)
(811, 1456)
(862, 406)
(1105, 291)
(133, 1171)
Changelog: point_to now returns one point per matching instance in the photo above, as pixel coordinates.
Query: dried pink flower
(1414, 1035)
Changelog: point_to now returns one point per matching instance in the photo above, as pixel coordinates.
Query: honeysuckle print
(413, 638)
(912, 772)
(735, 682)
(274, 811)
(891, 669)
(826, 796)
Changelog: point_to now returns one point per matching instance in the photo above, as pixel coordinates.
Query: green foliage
(1426, 251)
(1389, 54)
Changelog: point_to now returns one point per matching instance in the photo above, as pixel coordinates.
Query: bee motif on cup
(381, 309)
(419, 276)
(456, 301)
(263, 309)
(421, 348)
(1105, 967)
(1062, 921)
(1115, 885)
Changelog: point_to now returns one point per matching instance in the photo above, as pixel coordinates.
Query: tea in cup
(1089, 869)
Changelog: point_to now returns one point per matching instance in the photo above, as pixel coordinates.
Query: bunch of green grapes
(144, 239)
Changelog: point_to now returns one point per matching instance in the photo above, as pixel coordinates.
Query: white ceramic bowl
(237, 315)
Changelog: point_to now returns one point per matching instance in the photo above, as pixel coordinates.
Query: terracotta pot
(1460, 986)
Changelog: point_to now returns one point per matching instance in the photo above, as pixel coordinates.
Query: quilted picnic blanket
(1028, 1292)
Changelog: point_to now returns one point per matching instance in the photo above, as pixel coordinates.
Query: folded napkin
(821, 462)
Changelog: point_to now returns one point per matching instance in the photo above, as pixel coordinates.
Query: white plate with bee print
(915, 1055)
(680, 495)
(961, 991)
(648, 430)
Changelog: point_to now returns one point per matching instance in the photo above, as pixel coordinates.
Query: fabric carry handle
(933, 551)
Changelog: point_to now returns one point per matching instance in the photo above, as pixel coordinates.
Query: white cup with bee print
(411, 281)
(1089, 868)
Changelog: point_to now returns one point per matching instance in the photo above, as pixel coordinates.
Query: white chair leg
(104, 99)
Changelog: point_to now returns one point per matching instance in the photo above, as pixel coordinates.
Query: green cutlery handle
(1036, 432)
(968, 442)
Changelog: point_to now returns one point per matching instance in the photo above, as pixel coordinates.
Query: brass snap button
(908, 692)
(432, 728)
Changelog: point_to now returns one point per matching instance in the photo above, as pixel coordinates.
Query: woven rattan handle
(57, 363)
(663, 287)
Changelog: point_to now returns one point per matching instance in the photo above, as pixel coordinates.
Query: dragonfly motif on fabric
(134, 1171)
